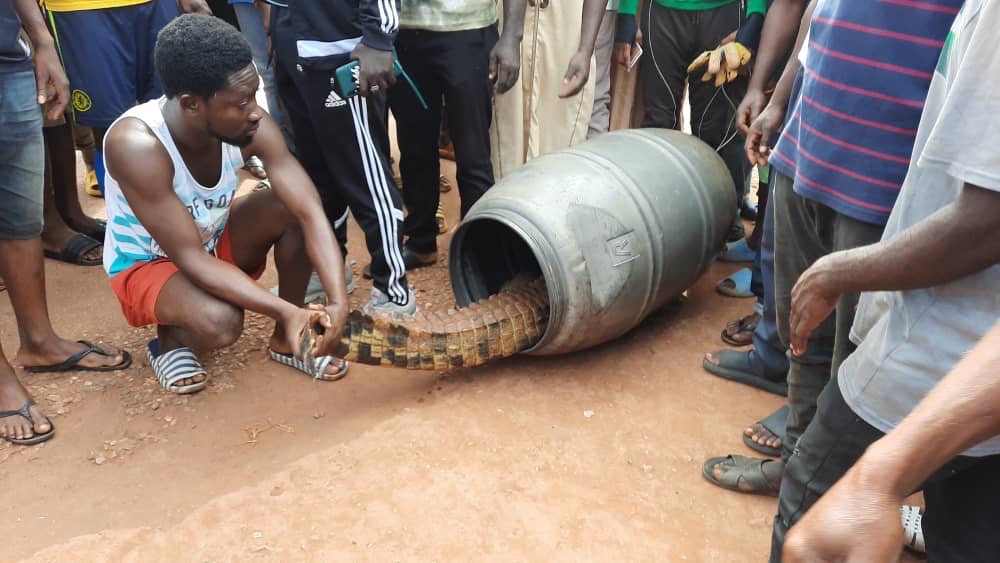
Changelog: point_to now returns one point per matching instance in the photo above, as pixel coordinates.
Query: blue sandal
(736, 285)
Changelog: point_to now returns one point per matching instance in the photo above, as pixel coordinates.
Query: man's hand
(856, 521)
(751, 106)
(623, 52)
(576, 75)
(333, 322)
(728, 39)
(375, 75)
(194, 7)
(505, 64)
(50, 78)
(814, 297)
(762, 132)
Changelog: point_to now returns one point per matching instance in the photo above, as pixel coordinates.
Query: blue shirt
(850, 131)
(14, 51)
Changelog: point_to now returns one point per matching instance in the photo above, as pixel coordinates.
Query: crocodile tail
(489, 329)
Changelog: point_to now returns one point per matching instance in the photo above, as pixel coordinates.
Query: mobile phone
(637, 50)
(347, 77)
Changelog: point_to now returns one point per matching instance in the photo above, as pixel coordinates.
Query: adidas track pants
(343, 145)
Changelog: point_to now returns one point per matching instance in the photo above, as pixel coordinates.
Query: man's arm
(50, 78)
(505, 57)
(295, 189)
(858, 519)
(145, 174)
(952, 243)
(763, 129)
(783, 20)
(578, 70)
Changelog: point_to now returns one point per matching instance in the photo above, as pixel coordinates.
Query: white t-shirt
(909, 340)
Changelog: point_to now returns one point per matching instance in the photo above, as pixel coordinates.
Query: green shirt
(753, 6)
(447, 15)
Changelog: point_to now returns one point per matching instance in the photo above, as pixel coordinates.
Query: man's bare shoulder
(133, 152)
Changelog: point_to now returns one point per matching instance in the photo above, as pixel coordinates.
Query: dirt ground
(591, 456)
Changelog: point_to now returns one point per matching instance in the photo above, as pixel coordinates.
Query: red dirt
(496, 463)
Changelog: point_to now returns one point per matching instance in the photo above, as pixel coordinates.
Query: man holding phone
(341, 140)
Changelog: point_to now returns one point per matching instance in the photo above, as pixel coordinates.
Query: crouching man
(182, 250)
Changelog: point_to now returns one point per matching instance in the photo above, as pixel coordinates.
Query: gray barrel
(618, 226)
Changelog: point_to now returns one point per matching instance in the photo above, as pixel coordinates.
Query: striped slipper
(318, 370)
(174, 366)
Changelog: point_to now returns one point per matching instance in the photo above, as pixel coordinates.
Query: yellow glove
(722, 64)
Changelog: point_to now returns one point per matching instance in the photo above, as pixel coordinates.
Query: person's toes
(42, 424)
(712, 358)
(752, 431)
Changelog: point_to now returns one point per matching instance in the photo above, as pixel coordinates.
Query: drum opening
(486, 254)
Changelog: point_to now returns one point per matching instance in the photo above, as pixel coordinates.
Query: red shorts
(139, 287)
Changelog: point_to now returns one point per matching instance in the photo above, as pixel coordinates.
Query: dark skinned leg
(62, 163)
(12, 397)
(22, 268)
(193, 318)
(259, 222)
(56, 232)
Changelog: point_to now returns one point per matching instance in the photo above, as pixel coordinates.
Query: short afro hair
(197, 54)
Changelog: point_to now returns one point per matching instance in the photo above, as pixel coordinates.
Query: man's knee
(219, 325)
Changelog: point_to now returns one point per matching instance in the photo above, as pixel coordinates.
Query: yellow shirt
(80, 5)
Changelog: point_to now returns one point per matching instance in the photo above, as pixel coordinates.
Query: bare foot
(12, 397)
(761, 435)
(58, 350)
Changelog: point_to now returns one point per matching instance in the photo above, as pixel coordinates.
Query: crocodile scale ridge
(499, 326)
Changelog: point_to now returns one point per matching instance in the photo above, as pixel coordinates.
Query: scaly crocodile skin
(487, 330)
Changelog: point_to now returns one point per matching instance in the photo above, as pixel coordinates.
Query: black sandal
(35, 439)
(74, 250)
(71, 363)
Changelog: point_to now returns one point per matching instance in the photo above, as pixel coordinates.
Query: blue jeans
(768, 356)
(252, 27)
(22, 157)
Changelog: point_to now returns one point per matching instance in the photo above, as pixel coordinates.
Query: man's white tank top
(127, 242)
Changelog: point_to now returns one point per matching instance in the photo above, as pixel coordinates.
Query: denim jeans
(805, 231)
(768, 358)
(22, 157)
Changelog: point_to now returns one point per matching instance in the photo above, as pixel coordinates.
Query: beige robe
(530, 119)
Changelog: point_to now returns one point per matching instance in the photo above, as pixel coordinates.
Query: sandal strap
(176, 365)
(78, 245)
(321, 363)
(23, 411)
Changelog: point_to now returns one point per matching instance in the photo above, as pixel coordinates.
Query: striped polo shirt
(850, 130)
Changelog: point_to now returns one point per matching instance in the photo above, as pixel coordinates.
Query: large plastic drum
(618, 226)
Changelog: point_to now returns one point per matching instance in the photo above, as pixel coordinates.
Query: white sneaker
(315, 292)
(381, 305)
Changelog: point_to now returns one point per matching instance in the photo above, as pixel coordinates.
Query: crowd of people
(864, 126)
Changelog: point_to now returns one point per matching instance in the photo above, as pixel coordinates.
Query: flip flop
(738, 251)
(313, 366)
(318, 371)
(35, 439)
(174, 366)
(775, 424)
(72, 363)
(736, 366)
(736, 285)
(75, 248)
(93, 188)
(745, 328)
(741, 468)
